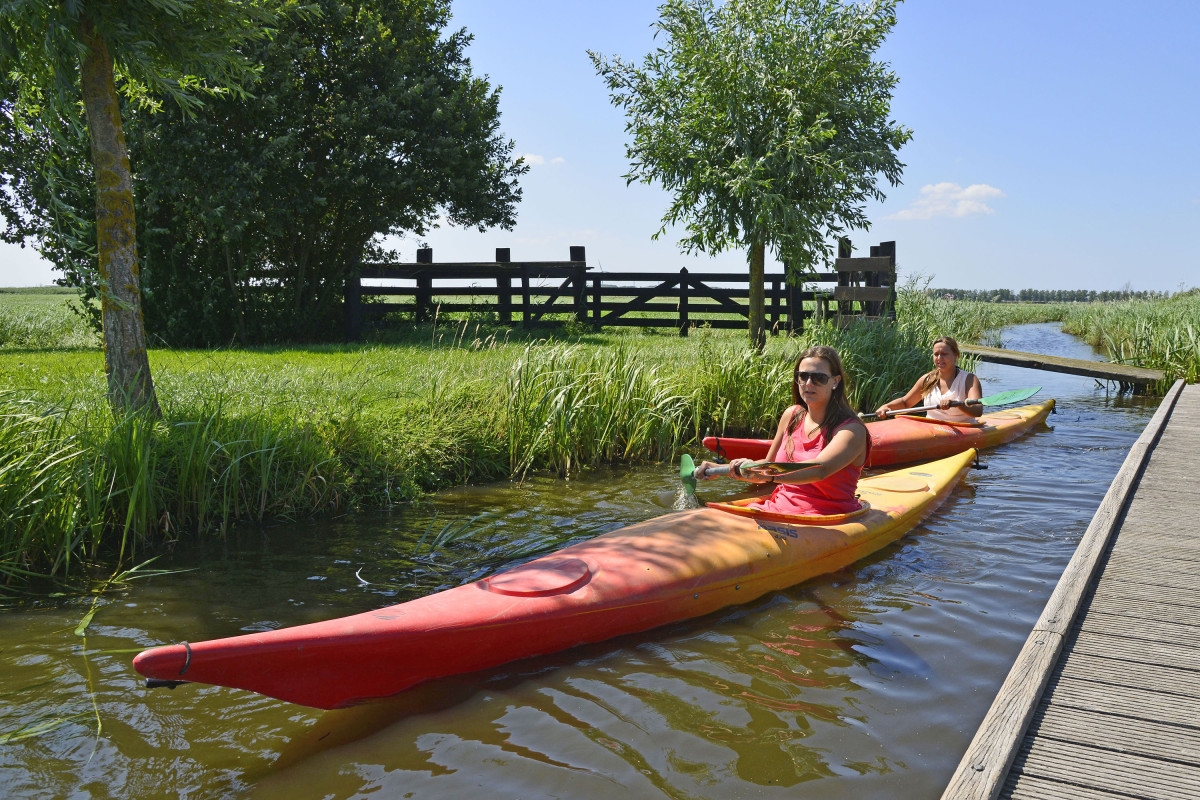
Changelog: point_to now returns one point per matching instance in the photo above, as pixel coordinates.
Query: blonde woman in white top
(941, 386)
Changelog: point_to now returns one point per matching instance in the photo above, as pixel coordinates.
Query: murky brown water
(867, 683)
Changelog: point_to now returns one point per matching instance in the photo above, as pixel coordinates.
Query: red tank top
(833, 495)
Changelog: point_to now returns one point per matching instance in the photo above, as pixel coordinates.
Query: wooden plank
(1133, 607)
(981, 772)
(1030, 787)
(1119, 672)
(1147, 628)
(642, 298)
(1132, 701)
(1096, 769)
(864, 294)
(1071, 366)
(1140, 591)
(865, 264)
(1141, 630)
(723, 297)
(1131, 649)
(1120, 734)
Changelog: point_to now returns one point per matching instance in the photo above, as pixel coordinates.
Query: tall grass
(1159, 334)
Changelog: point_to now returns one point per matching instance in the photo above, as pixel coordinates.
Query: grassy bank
(291, 433)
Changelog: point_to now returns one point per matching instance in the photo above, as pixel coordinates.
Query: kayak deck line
(671, 568)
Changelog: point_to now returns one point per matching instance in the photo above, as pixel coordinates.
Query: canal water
(867, 683)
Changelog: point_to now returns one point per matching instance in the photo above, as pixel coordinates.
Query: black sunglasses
(819, 378)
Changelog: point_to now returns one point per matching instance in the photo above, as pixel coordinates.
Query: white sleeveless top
(958, 391)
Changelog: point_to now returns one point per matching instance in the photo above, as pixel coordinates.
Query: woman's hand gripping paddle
(689, 472)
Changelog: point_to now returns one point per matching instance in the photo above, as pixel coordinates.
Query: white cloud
(950, 200)
(535, 160)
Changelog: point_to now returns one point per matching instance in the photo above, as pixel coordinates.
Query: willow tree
(767, 121)
(92, 52)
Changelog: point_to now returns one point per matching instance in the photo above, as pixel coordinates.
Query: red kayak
(671, 568)
(904, 439)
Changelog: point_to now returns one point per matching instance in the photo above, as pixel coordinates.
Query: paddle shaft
(1014, 396)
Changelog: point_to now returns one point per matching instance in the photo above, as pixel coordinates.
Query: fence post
(793, 300)
(889, 308)
(526, 318)
(352, 304)
(579, 282)
(775, 292)
(424, 294)
(684, 285)
(504, 287)
(845, 250)
(596, 290)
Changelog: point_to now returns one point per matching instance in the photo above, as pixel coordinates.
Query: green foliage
(366, 121)
(767, 120)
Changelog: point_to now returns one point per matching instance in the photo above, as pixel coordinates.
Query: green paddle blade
(1015, 396)
(687, 473)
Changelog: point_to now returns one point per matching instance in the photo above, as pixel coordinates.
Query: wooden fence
(549, 293)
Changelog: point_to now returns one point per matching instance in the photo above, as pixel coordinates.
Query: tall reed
(1159, 334)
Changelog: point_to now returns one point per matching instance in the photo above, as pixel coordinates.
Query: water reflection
(866, 683)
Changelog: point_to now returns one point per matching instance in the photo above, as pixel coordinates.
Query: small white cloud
(950, 200)
(535, 160)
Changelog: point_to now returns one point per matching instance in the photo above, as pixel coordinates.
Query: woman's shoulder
(852, 422)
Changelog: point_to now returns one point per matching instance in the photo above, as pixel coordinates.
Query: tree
(768, 122)
(366, 121)
(94, 51)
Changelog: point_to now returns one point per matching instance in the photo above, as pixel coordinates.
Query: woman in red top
(820, 429)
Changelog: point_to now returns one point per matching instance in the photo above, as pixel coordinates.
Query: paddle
(687, 470)
(1002, 399)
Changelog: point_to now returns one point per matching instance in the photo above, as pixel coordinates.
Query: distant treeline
(1046, 295)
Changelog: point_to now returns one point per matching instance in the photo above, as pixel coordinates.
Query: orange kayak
(905, 439)
(671, 568)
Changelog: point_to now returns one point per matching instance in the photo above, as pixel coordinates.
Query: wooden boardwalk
(1104, 699)
(1122, 373)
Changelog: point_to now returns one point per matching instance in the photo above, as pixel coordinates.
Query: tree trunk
(125, 362)
(758, 312)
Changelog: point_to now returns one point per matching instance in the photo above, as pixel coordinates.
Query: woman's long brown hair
(931, 378)
(839, 409)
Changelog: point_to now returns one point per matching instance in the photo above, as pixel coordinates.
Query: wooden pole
(579, 282)
(684, 285)
(424, 295)
(504, 288)
(352, 305)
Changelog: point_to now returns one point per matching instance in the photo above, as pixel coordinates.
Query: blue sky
(1055, 144)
